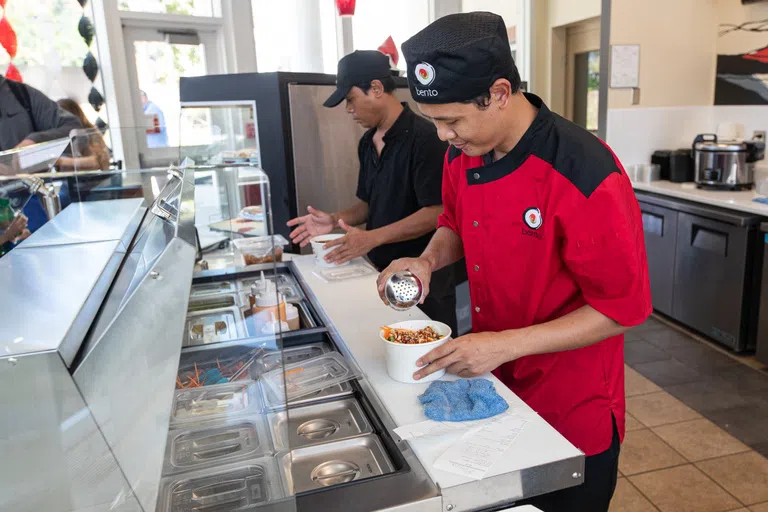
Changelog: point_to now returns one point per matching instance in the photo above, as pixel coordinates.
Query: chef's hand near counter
(356, 243)
(479, 353)
(315, 223)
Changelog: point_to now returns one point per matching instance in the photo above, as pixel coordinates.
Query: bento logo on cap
(532, 218)
(425, 73)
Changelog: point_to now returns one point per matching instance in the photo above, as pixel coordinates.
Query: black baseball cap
(458, 57)
(358, 67)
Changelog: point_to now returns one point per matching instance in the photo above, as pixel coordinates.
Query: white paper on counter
(430, 428)
(480, 448)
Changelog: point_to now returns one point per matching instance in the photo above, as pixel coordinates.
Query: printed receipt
(480, 448)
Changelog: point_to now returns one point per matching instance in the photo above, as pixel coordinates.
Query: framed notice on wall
(625, 66)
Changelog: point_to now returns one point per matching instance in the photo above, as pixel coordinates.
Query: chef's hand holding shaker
(419, 267)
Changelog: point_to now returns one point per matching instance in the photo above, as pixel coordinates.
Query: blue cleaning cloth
(462, 400)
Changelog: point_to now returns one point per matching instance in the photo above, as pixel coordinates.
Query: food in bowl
(410, 337)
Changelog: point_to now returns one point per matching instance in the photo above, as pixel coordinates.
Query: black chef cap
(458, 58)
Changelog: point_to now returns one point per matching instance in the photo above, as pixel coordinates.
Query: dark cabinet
(660, 228)
(704, 267)
(762, 329)
(710, 275)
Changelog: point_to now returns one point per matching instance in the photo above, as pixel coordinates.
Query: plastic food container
(332, 275)
(261, 249)
(317, 244)
(306, 377)
(211, 367)
(240, 486)
(215, 402)
(401, 358)
(196, 447)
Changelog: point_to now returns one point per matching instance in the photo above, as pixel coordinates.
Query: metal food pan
(214, 326)
(208, 302)
(330, 464)
(286, 285)
(207, 289)
(316, 424)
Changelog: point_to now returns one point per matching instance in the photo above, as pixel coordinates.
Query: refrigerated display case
(113, 404)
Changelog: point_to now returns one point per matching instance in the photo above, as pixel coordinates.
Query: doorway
(157, 59)
(582, 80)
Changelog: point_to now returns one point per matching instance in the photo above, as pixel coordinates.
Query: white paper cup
(317, 244)
(401, 358)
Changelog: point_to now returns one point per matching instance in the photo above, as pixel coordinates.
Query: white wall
(678, 50)
(548, 22)
(635, 133)
(565, 12)
(507, 9)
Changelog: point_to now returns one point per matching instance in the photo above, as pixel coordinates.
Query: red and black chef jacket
(550, 227)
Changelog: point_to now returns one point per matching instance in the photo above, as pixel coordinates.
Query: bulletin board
(625, 66)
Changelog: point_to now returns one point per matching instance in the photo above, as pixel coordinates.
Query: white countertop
(741, 201)
(356, 312)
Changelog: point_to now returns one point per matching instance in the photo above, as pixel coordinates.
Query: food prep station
(158, 393)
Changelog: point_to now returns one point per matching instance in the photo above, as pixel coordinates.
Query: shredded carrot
(387, 331)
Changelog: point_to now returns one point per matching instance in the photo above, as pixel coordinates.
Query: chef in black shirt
(399, 185)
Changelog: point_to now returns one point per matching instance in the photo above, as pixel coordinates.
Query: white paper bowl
(317, 244)
(401, 358)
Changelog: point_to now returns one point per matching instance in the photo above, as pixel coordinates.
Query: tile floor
(697, 426)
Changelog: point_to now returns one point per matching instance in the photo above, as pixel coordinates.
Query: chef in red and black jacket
(551, 230)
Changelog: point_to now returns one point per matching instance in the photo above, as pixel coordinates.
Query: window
(514, 13)
(373, 22)
(50, 50)
(185, 7)
(295, 35)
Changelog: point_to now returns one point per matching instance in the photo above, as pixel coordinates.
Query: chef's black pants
(594, 495)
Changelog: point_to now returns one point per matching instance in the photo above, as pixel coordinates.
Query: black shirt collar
(494, 170)
(401, 125)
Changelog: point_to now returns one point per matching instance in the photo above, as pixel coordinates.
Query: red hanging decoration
(2, 4)
(12, 73)
(8, 37)
(346, 7)
(388, 48)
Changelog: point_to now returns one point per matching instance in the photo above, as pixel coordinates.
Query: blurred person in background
(160, 138)
(15, 232)
(27, 116)
(90, 156)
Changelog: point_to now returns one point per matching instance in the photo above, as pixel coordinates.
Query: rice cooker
(725, 164)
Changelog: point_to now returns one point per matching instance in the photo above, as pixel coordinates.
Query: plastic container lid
(255, 243)
(238, 486)
(215, 402)
(197, 447)
(306, 377)
(330, 275)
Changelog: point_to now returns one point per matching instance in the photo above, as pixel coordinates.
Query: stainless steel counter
(51, 295)
(90, 222)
